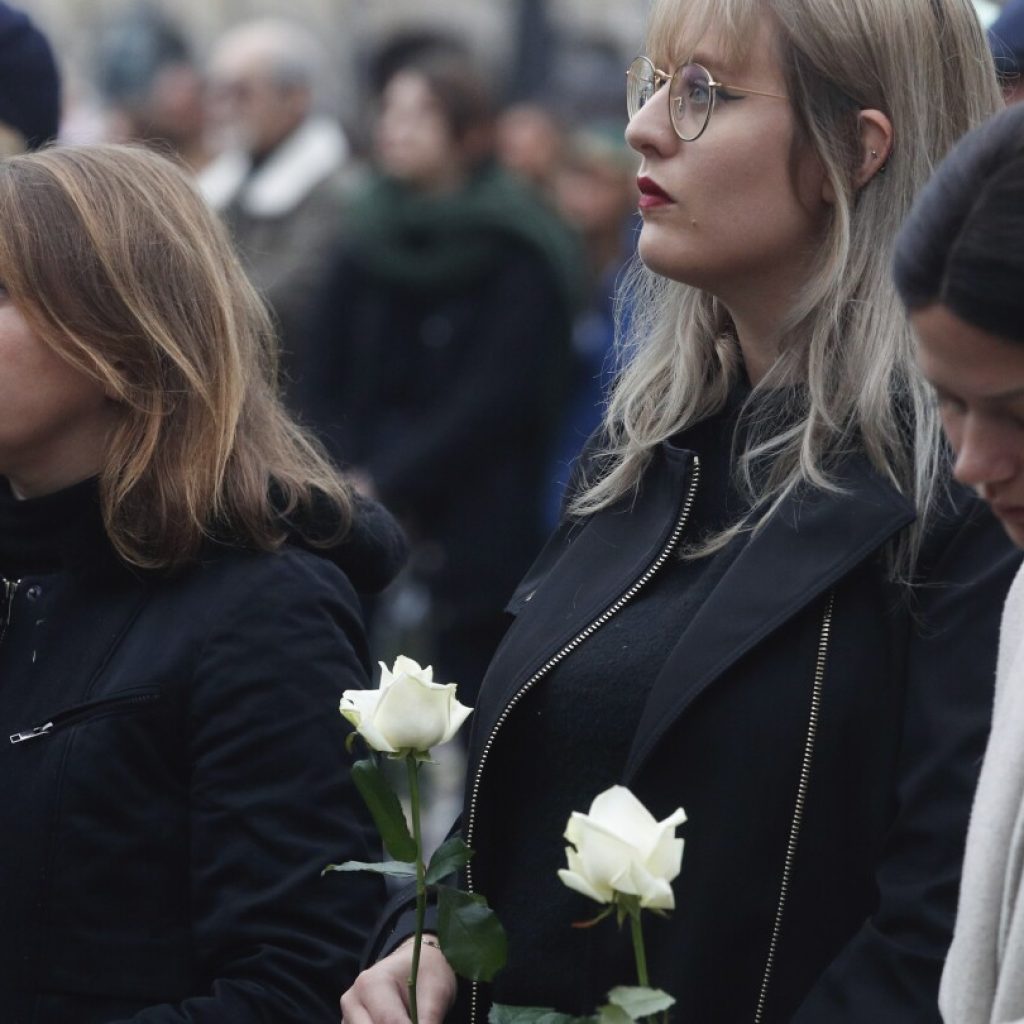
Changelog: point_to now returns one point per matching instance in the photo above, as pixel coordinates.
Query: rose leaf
(395, 868)
(640, 1002)
(447, 859)
(471, 936)
(380, 798)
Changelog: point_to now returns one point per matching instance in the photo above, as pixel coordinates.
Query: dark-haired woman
(960, 269)
(177, 621)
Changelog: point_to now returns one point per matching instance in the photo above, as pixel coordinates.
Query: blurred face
(54, 420)
(596, 198)
(529, 144)
(175, 109)
(979, 380)
(250, 108)
(741, 207)
(414, 142)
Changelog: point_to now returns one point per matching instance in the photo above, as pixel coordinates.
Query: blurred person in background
(446, 321)
(529, 143)
(595, 191)
(1006, 37)
(29, 85)
(151, 86)
(281, 182)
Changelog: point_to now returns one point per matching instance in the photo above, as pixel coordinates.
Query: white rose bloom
(620, 847)
(408, 712)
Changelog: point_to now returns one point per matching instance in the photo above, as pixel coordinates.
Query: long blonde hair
(847, 365)
(116, 263)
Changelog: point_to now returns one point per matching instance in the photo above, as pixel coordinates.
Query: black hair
(963, 244)
(459, 88)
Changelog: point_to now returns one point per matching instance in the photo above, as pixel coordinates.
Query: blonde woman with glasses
(768, 602)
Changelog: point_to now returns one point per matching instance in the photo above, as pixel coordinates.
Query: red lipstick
(651, 194)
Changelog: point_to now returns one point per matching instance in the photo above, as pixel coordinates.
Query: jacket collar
(810, 543)
(813, 541)
(316, 149)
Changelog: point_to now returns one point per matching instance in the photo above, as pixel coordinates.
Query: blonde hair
(847, 368)
(117, 264)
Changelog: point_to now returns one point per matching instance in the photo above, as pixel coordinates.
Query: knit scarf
(450, 241)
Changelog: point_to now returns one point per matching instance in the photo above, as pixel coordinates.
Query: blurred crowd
(442, 273)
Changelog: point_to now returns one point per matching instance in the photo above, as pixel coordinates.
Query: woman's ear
(876, 137)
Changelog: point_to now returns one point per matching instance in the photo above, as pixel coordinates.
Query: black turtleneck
(45, 534)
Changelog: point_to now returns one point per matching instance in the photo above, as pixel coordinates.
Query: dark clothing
(176, 777)
(829, 896)
(549, 739)
(437, 355)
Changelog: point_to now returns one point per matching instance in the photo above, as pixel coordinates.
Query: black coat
(822, 733)
(176, 780)
(447, 397)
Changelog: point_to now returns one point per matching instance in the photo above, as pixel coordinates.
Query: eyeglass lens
(690, 95)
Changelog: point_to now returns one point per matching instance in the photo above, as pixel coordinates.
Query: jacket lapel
(584, 570)
(811, 542)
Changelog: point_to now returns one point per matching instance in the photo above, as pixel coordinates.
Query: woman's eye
(950, 406)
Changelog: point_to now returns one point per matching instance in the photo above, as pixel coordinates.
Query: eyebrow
(711, 62)
(1014, 394)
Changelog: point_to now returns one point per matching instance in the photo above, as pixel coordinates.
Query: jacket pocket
(121, 703)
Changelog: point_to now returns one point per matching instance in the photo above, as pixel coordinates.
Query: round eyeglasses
(691, 94)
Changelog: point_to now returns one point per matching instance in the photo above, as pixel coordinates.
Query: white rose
(409, 712)
(620, 847)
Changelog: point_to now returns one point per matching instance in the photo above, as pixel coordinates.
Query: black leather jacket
(822, 729)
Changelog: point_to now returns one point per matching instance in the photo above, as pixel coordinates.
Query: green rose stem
(421, 886)
(638, 948)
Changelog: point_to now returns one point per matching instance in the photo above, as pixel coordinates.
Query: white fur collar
(313, 151)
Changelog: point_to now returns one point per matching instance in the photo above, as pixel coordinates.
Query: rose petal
(666, 858)
(581, 885)
(413, 714)
(618, 810)
(407, 667)
(359, 707)
(457, 714)
(659, 896)
(603, 856)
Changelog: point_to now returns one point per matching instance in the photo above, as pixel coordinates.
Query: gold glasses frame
(660, 78)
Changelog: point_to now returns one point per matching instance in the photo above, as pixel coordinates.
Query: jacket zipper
(594, 626)
(74, 715)
(798, 809)
(10, 588)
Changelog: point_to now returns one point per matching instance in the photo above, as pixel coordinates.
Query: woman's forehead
(719, 32)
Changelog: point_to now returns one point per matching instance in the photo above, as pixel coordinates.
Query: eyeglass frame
(713, 85)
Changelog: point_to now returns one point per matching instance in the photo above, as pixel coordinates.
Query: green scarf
(450, 241)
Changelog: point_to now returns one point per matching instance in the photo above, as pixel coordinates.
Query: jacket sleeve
(890, 969)
(272, 802)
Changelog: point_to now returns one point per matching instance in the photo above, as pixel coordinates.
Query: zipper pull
(39, 730)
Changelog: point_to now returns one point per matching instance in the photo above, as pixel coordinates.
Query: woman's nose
(986, 455)
(650, 129)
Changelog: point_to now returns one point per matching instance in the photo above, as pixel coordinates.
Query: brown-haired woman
(177, 574)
